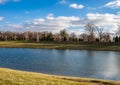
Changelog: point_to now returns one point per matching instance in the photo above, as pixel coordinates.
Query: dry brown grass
(13, 77)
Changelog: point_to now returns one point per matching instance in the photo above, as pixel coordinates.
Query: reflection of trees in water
(59, 54)
(111, 66)
(118, 64)
(59, 58)
(118, 60)
(90, 53)
(89, 64)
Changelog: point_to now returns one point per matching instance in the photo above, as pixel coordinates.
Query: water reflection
(93, 64)
(112, 68)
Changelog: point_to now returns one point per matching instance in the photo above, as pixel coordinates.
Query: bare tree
(90, 28)
(118, 30)
(57, 37)
(64, 35)
(37, 38)
(73, 36)
(106, 37)
(26, 35)
(84, 37)
(100, 32)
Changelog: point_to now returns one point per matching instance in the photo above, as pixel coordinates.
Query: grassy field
(51, 45)
(13, 77)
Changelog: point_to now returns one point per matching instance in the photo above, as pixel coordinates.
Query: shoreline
(13, 77)
(52, 45)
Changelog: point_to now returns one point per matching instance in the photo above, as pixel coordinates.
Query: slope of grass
(51, 45)
(13, 77)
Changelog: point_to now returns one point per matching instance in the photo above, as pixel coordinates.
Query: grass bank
(61, 45)
(13, 77)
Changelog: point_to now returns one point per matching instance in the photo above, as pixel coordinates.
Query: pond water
(78, 63)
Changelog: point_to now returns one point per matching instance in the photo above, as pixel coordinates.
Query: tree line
(92, 33)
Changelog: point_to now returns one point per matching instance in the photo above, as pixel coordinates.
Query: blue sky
(33, 14)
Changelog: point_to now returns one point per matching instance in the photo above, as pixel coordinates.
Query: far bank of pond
(62, 45)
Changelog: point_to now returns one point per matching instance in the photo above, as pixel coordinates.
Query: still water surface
(78, 63)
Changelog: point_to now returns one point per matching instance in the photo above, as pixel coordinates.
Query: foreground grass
(13, 77)
(51, 45)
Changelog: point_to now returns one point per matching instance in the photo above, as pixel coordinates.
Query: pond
(77, 63)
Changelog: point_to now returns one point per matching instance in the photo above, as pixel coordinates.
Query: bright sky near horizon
(54, 15)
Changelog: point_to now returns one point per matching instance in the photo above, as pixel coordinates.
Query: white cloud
(63, 1)
(71, 23)
(113, 4)
(50, 16)
(52, 23)
(5, 1)
(76, 6)
(1, 18)
(109, 21)
(12, 27)
(49, 23)
(16, 26)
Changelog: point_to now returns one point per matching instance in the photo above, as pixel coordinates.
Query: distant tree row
(116, 39)
(92, 33)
